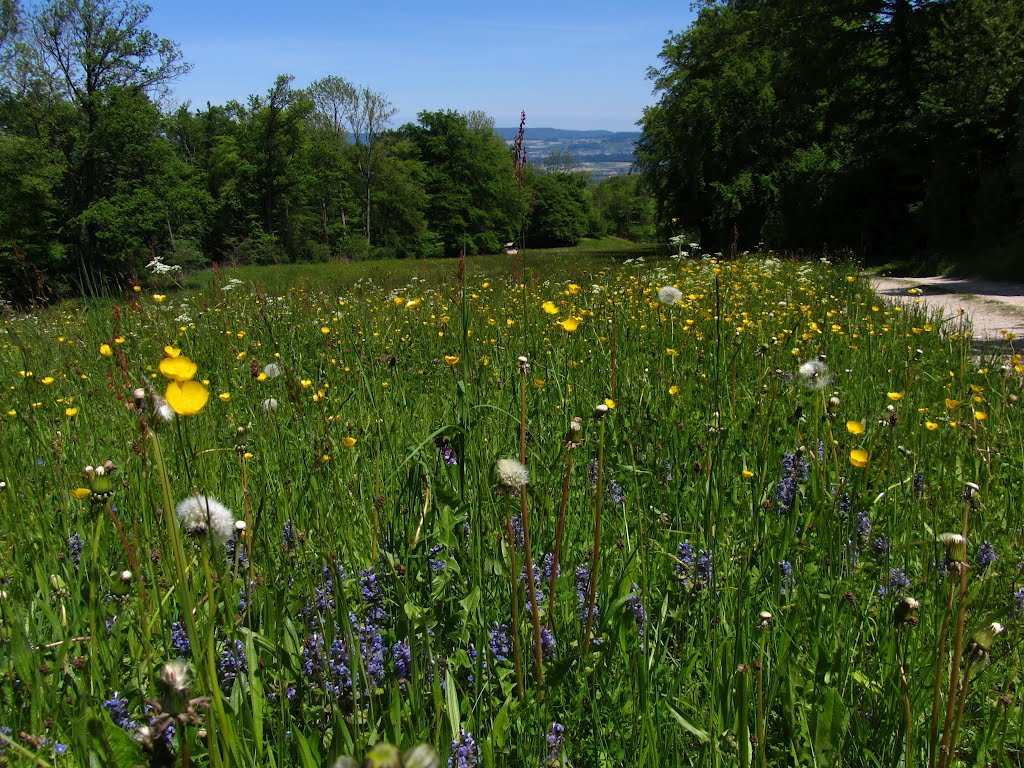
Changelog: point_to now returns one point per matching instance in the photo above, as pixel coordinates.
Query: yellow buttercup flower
(951, 403)
(573, 289)
(81, 493)
(609, 402)
(747, 474)
(105, 350)
(348, 442)
(159, 298)
(225, 396)
(178, 368)
(550, 307)
(931, 426)
(187, 398)
(980, 415)
(451, 359)
(570, 324)
(894, 396)
(859, 458)
(70, 411)
(674, 389)
(855, 427)
(170, 351)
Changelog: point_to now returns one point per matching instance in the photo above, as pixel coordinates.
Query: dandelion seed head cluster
(204, 515)
(511, 473)
(815, 374)
(669, 294)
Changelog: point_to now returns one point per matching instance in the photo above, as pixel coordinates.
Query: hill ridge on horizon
(562, 133)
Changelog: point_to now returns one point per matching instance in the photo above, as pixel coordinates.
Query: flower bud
(176, 680)
(985, 636)
(421, 756)
(904, 612)
(956, 547)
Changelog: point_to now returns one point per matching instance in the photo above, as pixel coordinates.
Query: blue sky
(569, 64)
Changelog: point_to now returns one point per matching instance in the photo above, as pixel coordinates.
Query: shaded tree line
(99, 180)
(889, 127)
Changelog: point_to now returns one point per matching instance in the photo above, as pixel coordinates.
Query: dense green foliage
(99, 182)
(884, 126)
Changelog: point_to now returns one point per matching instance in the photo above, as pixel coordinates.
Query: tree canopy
(882, 126)
(100, 180)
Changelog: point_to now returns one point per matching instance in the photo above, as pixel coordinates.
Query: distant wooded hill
(602, 153)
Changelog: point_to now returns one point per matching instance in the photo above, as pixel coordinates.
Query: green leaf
(701, 735)
(306, 759)
(451, 700)
(499, 728)
(471, 601)
(831, 720)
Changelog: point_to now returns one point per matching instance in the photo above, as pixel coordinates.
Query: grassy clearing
(760, 507)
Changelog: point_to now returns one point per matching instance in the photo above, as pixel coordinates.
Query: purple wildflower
(636, 607)
(179, 640)
(786, 572)
(464, 752)
(500, 642)
(75, 545)
(556, 745)
(987, 555)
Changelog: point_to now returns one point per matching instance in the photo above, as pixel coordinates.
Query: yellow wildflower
(859, 458)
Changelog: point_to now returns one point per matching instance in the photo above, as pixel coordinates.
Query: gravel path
(993, 308)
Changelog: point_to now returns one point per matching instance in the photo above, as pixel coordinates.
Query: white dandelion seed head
(512, 474)
(814, 374)
(273, 370)
(270, 404)
(177, 676)
(669, 294)
(205, 515)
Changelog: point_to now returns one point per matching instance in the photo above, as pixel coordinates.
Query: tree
(560, 214)
(86, 49)
(474, 203)
(624, 207)
(366, 113)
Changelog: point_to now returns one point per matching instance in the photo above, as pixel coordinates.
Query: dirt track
(993, 308)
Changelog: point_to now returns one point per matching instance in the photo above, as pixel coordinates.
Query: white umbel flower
(669, 294)
(202, 515)
(512, 474)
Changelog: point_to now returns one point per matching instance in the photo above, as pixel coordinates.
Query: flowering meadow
(667, 512)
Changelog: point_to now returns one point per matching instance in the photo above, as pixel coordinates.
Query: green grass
(718, 463)
(591, 255)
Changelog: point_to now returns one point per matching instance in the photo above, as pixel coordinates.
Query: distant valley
(600, 153)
